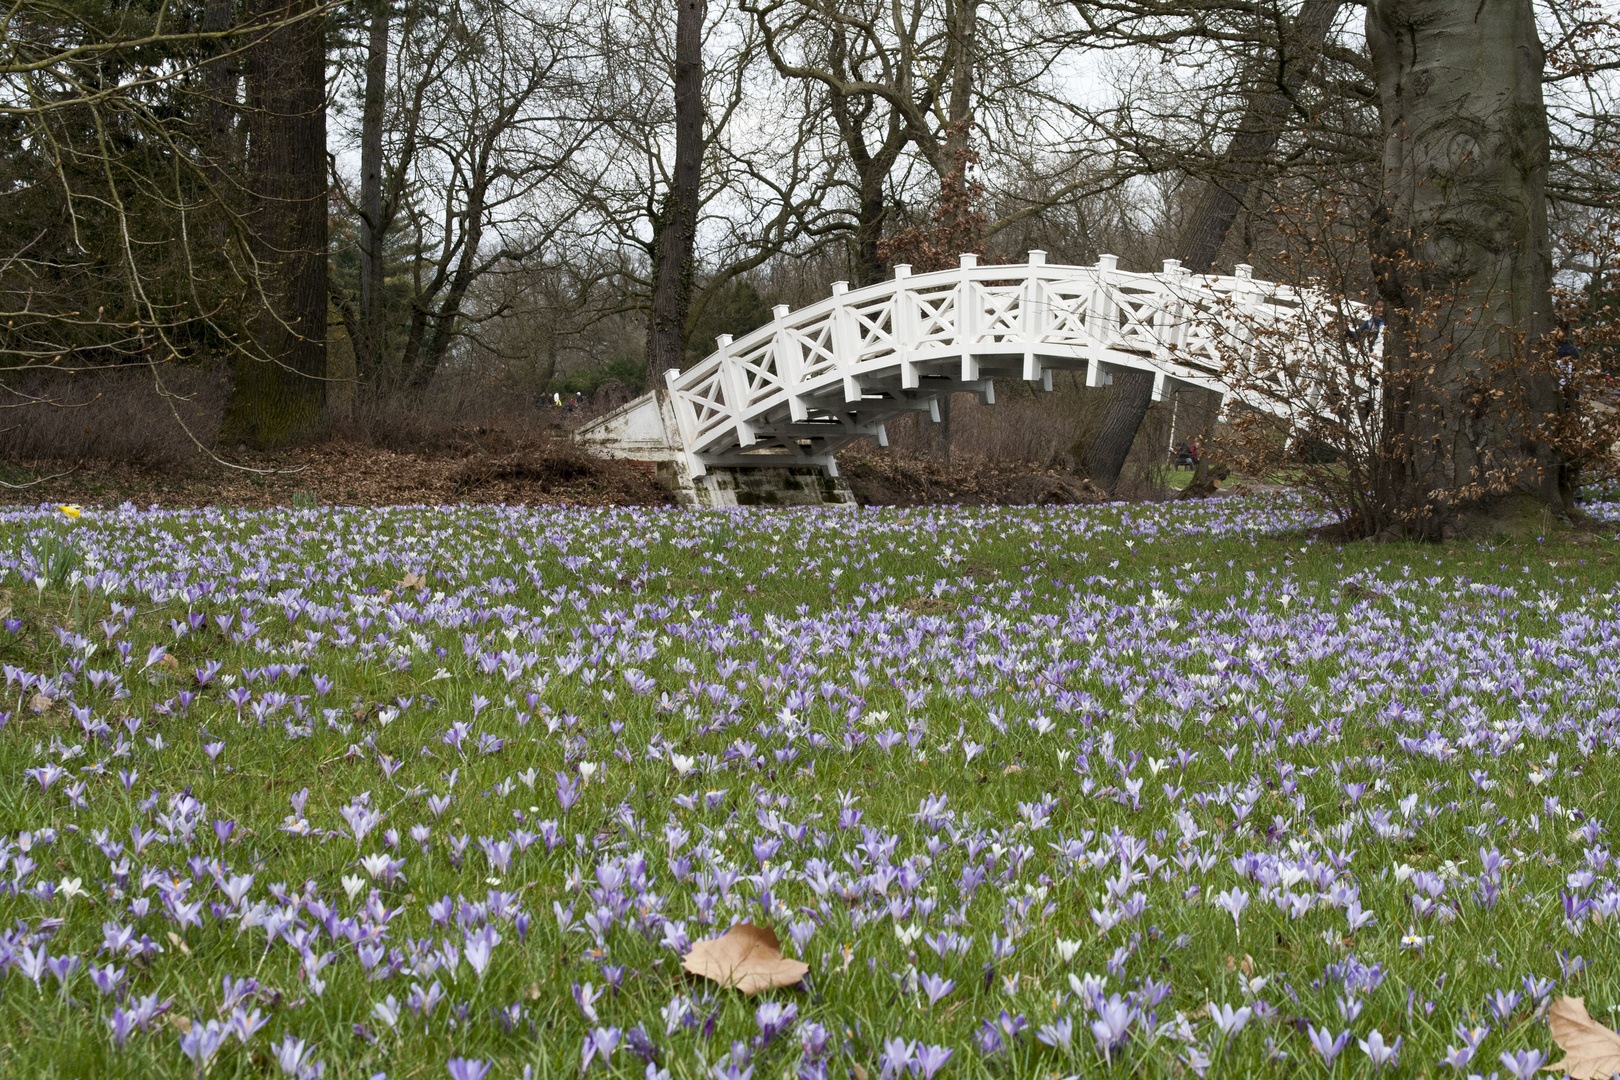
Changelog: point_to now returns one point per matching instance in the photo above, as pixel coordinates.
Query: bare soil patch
(543, 472)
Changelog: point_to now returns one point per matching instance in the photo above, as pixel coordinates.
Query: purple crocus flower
(774, 1018)
(936, 987)
(62, 967)
(202, 1041)
(929, 1060)
(896, 1056)
(1112, 1023)
(467, 1069)
(1059, 1033)
(1380, 1052)
(1230, 1020)
(599, 1043)
(567, 791)
(122, 1023)
(1522, 1064)
(1329, 1046)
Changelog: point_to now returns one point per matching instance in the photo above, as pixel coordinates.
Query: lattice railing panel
(817, 378)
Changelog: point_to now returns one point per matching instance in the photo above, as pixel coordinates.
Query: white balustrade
(811, 381)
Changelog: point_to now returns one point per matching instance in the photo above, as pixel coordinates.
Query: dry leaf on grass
(1590, 1049)
(411, 581)
(746, 958)
(41, 702)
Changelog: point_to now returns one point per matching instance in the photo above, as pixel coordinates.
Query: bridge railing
(816, 378)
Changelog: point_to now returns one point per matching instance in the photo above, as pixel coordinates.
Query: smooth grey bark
(369, 346)
(1460, 251)
(677, 219)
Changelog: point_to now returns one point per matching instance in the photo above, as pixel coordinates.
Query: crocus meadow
(450, 791)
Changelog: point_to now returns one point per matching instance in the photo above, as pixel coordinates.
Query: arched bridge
(796, 390)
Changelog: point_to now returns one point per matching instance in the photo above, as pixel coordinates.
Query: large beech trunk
(1460, 251)
(677, 220)
(279, 396)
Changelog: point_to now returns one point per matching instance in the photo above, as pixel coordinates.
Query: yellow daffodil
(72, 510)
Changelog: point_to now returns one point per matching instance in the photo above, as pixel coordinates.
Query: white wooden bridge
(796, 390)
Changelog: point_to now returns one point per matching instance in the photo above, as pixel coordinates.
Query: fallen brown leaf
(411, 581)
(168, 663)
(746, 958)
(41, 702)
(1590, 1049)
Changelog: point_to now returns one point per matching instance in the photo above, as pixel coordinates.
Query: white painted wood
(811, 381)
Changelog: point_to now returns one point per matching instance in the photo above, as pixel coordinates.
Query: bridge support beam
(647, 431)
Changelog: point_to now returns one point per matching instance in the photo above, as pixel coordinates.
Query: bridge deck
(811, 381)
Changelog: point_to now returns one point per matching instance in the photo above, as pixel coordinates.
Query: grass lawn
(1151, 790)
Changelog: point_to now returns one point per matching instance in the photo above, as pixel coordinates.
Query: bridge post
(905, 327)
(1032, 317)
(846, 344)
(968, 310)
(1100, 319)
(1169, 327)
(789, 359)
(735, 379)
(683, 422)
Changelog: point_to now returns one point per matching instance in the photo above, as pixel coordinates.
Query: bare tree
(764, 182)
(675, 226)
(493, 118)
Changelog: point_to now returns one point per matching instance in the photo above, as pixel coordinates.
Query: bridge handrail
(1171, 319)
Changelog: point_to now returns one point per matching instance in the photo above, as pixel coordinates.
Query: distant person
(1371, 328)
(1567, 349)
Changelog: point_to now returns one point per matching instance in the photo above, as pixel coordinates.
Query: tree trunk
(1260, 127)
(279, 397)
(370, 343)
(1259, 130)
(677, 219)
(870, 265)
(1106, 459)
(1460, 252)
(220, 84)
(963, 18)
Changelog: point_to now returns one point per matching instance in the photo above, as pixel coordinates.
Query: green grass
(1113, 639)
